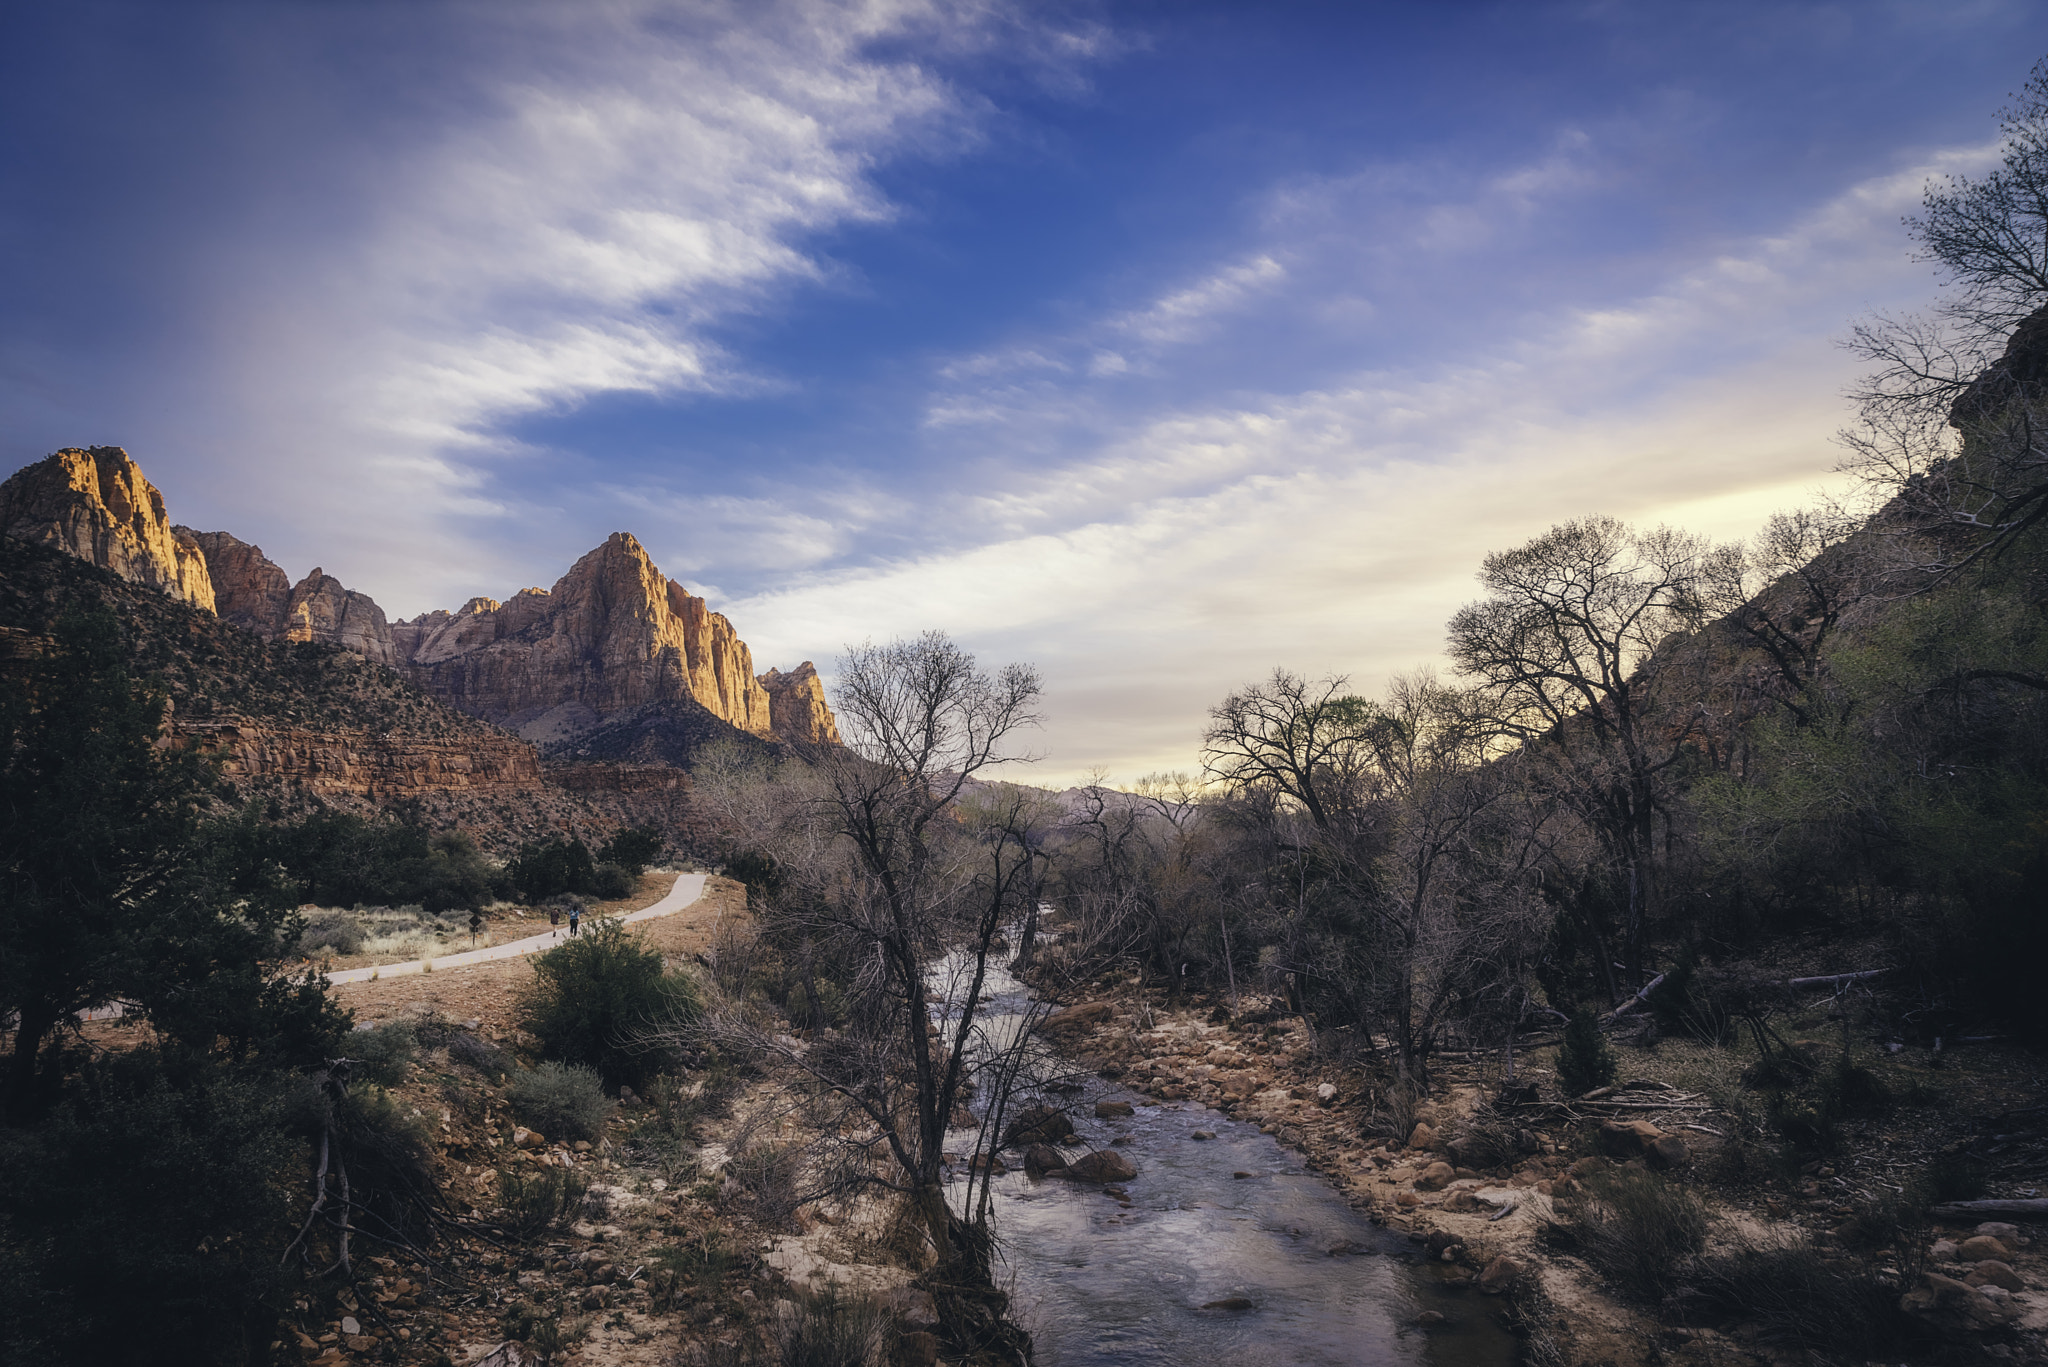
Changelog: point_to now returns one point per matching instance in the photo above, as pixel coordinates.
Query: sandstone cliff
(614, 634)
(97, 505)
(797, 707)
(251, 591)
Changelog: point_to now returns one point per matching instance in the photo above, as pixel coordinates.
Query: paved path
(688, 888)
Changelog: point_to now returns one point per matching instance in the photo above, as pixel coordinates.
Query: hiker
(554, 921)
(575, 915)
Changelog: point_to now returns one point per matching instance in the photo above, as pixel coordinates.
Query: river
(1224, 1251)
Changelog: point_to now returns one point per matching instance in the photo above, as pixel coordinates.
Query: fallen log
(1828, 980)
(1642, 995)
(2013, 1210)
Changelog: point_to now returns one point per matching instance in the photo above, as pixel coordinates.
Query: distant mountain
(614, 642)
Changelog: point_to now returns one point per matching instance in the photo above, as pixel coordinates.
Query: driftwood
(1829, 980)
(1642, 995)
(2016, 1210)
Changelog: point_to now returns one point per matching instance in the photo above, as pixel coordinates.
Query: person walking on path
(554, 921)
(575, 915)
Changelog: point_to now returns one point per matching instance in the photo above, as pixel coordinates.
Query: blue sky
(1158, 344)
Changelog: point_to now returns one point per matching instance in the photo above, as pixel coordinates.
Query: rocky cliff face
(612, 635)
(251, 591)
(797, 707)
(97, 505)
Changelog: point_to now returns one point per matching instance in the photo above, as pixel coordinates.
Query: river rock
(1111, 1110)
(1104, 1165)
(1040, 1159)
(1436, 1177)
(2009, 1235)
(1203, 1134)
(1993, 1273)
(1979, 1247)
(1501, 1275)
(1038, 1125)
(1422, 1136)
(1237, 1304)
(1944, 1299)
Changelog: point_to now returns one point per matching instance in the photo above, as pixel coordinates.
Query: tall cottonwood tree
(1565, 651)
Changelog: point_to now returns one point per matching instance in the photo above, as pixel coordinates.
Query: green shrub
(541, 1199)
(1800, 1300)
(633, 849)
(562, 1101)
(830, 1329)
(592, 997)
(1640, 1231)
(546, 870)
(610, 882)
(1584, 1061)
(382, 1054)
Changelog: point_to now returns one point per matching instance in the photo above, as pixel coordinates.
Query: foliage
(339, 859)
(832, 1327)
(547, 870)
(1801, 1300)
(633, 848)
(1584, 1061)
(562, 1101)
(594, 998)
(1639, 1230)
(384, 1053)
(539, 1199)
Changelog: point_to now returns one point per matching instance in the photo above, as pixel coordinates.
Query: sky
(1156, 344)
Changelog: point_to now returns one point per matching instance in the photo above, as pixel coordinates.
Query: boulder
(1948, 1300)
(912, 1308)
(1104, 1165)
(1991, 1273)
(1203, 1134)
(1979, 1247)
(1667, 1151)
(1436, 1177)
(1501, 1275)
(1628, 1138)
(1038, 1125)
(1111, 1110)
(2009, 1235)
(1421, 1137)
(523, 1138)
(1040, 1159)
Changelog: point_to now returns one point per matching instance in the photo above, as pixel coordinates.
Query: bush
(1584, 1061)
(592, 996)
(382, 1054)
(611, 882)
(335, 930)
(633, 849)
(544, 871)
(830, 1329)
(543, 1199)
(474, 1051)
(562, 1101)
(1801, 1301)
(1640, 1231)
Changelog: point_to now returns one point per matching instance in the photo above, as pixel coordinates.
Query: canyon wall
(96, 505)
(797, 707)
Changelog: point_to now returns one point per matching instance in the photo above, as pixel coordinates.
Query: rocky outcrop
(796, 706)
(251, 591)
(248, 589)
(97, 505)
(376, 764)
(613, 635)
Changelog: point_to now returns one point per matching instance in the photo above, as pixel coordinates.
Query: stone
(350, 1325)
(1430, 1319)
(1407, 1199)
(2009, 1235)
(1076, 1020)
(1326, 1092)
(1465, 1201)
(1627, 1138)
(993, 1162)
(1104, 1165)
(1436, 1177)
(1501, 1275)
(1943, 1298)
(1235, 1304)
(1421, 1137)
(1038, 1125)
(1993, 1273)
(1943, 1251)
(1040, 1159)
(1203, 1134)
(1587, 1167)
(581, 1146)
(1979, 1247)
(912, 1308)
(1112, 1110)
(1667, 1151)
(523, 1138)
(919, 1349)
(96, 504)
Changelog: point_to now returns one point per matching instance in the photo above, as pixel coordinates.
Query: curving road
(688, 888)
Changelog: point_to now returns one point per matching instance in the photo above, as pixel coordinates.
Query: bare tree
(899, 861)
(1565, 648)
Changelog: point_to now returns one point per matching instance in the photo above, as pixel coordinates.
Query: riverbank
(1494, 1192)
